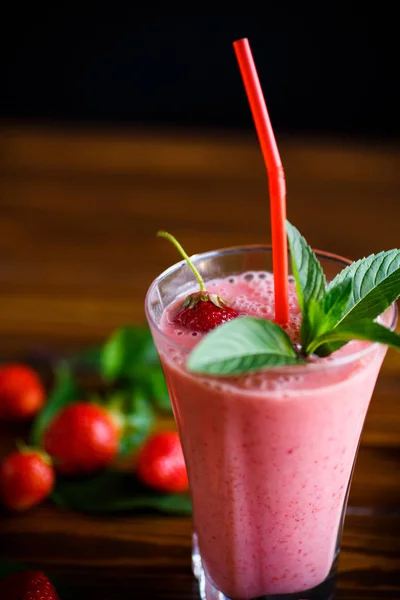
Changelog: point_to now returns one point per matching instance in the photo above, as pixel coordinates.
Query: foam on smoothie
(251, 294)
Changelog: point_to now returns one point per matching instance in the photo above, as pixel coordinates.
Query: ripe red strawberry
(83, 438)
(161, 465)
(27, 585)
(26, 479)
(22, 393)
(200, 311)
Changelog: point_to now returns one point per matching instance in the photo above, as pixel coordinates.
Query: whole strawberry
(82, 439)
(201, 311)
(27, 585)
(26, 479)
(22, 393)
(161, 465)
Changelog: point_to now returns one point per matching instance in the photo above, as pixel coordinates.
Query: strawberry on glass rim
(201, 311)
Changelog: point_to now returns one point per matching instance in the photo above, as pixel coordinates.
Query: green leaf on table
(89, 358)
(65, 390)
(9, 568)
(125, 348)
(159, 391)
(152, 380)
(112, 492)
(242, 345)
(375, 286)
(361, 330)
(139, 420)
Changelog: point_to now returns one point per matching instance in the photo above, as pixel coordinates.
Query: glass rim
(312, 366)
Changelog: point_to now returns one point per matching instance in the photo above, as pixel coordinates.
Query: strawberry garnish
(201, 311)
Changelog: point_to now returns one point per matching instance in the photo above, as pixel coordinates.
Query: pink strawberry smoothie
(269, 455)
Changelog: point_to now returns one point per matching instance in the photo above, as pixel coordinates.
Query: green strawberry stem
(181, 251)
(23, 448)
(115, 407)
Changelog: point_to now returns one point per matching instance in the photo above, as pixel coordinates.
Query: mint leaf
(375, 286)
(323, 316)
(241, 345)
(361, 330)
(307, 271)
(310, 282)
(336, 299)
(360, 293)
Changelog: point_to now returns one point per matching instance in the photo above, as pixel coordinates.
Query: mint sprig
(332, 315)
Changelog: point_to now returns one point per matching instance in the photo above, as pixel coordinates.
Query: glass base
(208, 591)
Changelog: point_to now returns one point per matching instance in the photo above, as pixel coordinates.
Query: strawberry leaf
(139, 420)
(151, 379)
(113, 492)
(125, 348)
(9, 568)
(64, 392)
(88, 359)
(242, 345)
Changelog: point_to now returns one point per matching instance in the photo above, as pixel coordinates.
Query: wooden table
(79, 213)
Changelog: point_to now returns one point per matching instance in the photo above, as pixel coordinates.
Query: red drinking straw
(276, 177)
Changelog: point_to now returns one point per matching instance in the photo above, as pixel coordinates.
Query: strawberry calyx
(203, 296)
(124, 414)
(115, 408)
(24, 449)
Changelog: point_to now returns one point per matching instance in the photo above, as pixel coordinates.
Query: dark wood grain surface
(78, 216)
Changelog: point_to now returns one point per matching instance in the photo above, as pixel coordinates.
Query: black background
(331, 69)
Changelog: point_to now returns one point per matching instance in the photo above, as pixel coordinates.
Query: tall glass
(269, 458)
